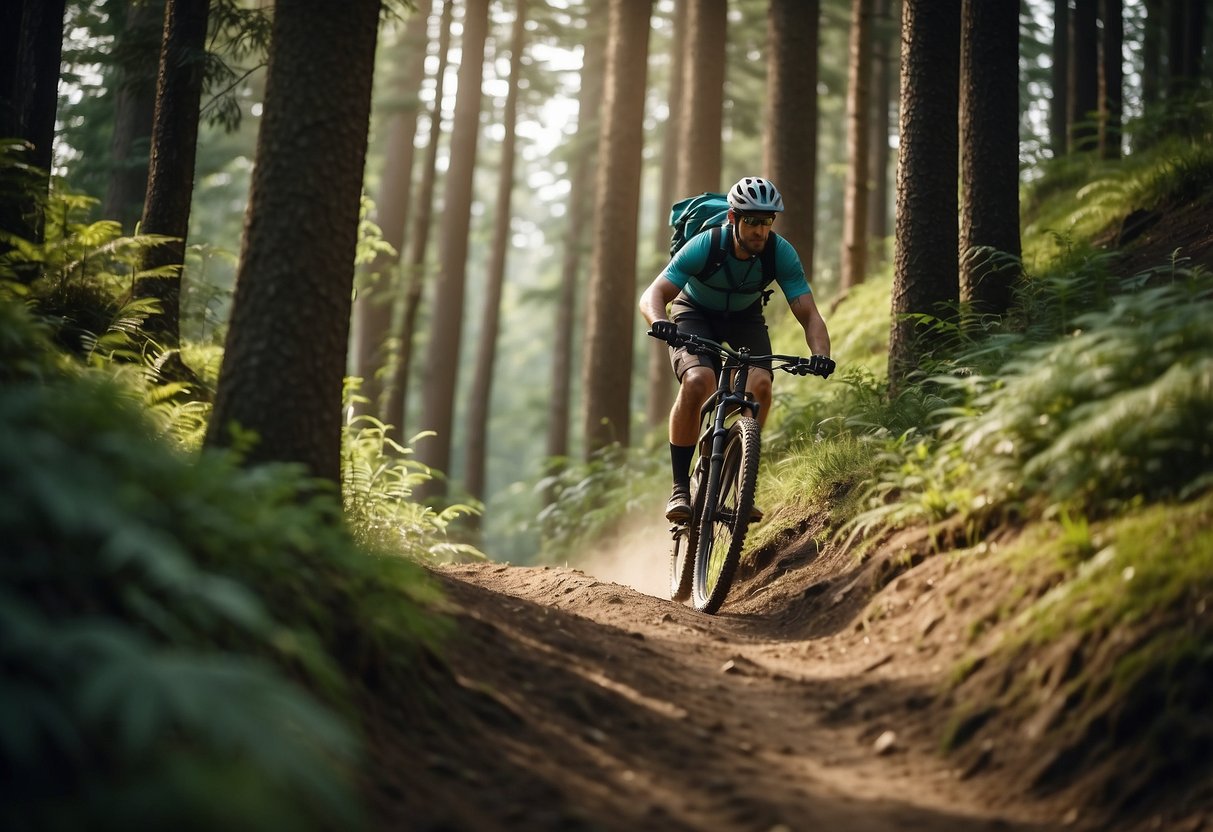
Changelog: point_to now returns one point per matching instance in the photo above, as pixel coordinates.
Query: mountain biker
(726, 306)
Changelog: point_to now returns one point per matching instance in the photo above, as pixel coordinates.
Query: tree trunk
(1112, 108)
(414, 272)
(482, 379)
(670, 148)
(446, 324)
(134, 110)
(1177, 42)
(989, 154)
(925, 267)
(607, 364)
(790, 137)
(660, 380)
(170, 181)
(581, 192)
(373, 306)
(703, 87)
(1084, 96)
(884, 39)
(855, 202)
(1195, 16)
(1059, 114)
(32, 46)
(1151, 55)
(285, 357)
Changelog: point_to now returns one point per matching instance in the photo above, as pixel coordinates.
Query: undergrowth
(175, 626)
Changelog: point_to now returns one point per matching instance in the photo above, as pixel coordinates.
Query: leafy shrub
(158, 614)
(378, 480)
(1118, 410)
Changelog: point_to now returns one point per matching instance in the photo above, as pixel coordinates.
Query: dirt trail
(577, 703)
(816, 700)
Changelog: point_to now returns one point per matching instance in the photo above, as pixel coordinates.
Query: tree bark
(703, 87)
(373, 306)
(32, 44)
(607, 364)
(884, 41)
(660, 396)
(670, 148)
(1059, 114)
(1084, 96)
(414, 272)
(285, 358)
(134, 111)
(1195, 17)
(925, 266)
(446, 324)
(170, 181)
(855, 201)
(1151, 55)
(482, 379)
(581, 194)
(790, 137)
(989, 153)
(1111, 111)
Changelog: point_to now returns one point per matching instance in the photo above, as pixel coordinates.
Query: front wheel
(682, 561)
(725, 518)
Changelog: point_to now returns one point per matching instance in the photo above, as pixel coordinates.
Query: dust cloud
(638, 555)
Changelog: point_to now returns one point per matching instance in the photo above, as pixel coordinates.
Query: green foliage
(1116, 412)
(587, 500)
(158, 615)
(1081, 198)
(378, 480)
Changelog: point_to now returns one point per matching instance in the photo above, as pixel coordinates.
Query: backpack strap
(718, 252)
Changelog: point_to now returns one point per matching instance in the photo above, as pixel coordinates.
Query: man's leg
(698, 382)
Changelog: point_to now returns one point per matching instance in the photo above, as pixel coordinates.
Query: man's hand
(821, 365)
(665, 330)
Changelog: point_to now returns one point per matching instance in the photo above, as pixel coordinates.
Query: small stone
(931, 625)
(729, 667)
(614, 599)
(596, 735)
(885, 743)
(1071, 818)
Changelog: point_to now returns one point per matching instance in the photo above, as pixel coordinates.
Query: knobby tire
(682, 560)
(728, 500)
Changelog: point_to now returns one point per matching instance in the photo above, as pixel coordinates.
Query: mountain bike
(707, 548)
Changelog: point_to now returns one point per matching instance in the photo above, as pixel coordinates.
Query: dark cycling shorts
(746, 328)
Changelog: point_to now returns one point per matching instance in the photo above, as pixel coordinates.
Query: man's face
(752, 231)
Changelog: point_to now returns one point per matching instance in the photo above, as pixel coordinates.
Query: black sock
(680, 464)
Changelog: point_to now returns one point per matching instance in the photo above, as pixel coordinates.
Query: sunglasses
(755, 221)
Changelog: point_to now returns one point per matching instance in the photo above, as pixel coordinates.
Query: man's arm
(815, 333)
(656, 298)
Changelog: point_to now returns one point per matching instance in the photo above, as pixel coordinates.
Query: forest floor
(817, 699)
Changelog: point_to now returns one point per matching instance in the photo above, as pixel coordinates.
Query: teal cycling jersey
(737, 284)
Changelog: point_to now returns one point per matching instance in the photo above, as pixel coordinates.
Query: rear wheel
(682, 561)
(725, 517)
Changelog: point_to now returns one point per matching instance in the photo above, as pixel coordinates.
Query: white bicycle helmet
(756, 195)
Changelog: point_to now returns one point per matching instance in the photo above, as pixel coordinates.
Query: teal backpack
(707, 213)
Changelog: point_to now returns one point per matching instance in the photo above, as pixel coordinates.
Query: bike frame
(727, 393)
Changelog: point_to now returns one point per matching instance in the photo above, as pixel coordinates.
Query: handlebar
(696, 344)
